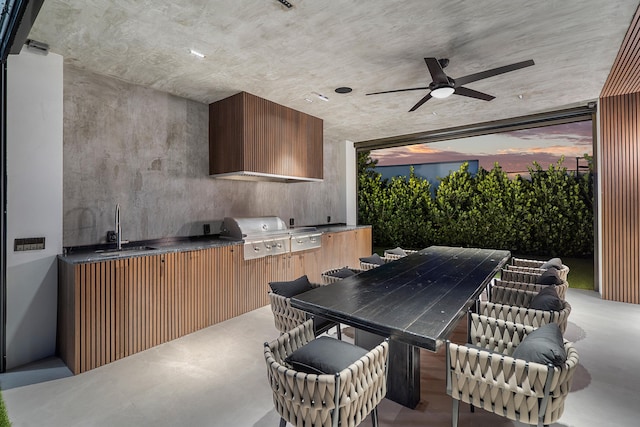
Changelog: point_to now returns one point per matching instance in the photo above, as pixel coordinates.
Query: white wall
(351, 187)
(34, 202)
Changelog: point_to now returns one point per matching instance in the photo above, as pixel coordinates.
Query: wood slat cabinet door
(224, 271)
(309, 263)
(345, 248)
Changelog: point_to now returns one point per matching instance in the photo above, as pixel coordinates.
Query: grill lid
(252, 227)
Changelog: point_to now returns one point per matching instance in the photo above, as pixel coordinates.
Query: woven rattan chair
(561, 289)
(393, 257)
(344, 398)
(509, 295)
(328, 275)
(526, 316)
(489, 378)
(364, 266)
(533, 266)
(287, 317)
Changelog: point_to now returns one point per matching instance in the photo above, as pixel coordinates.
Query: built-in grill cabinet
(265, 236)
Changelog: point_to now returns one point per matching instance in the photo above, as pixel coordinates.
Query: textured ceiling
(285, 55)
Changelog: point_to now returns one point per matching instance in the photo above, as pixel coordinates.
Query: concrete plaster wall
(34, 203)
(148, 151)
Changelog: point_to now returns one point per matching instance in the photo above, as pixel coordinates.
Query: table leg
(403, 379)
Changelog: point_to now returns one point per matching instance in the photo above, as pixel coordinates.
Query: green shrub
(552, 213)
(4, 418)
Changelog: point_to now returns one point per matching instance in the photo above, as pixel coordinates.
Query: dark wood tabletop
(416, 300)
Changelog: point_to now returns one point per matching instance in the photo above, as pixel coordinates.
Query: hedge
(549, 214)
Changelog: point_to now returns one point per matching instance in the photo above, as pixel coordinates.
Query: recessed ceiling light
(343, 89)
(196, 53)
(286, 3)
(321, 96)
(519, 96)
(308, 99)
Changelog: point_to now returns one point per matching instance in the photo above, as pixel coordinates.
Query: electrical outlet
(112, 236)
(207, 228)
(328, 218)
(292, 222)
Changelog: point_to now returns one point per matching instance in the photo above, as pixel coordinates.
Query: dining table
(416, 302)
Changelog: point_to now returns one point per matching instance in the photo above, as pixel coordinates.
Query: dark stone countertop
(104, 252)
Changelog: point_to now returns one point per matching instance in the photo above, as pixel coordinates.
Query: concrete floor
(217, 377)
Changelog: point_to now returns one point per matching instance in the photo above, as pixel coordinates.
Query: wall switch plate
(207, 228)
(292, 222)
(328, 218)
(28, 244)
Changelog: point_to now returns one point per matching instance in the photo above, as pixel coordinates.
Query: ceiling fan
(443, 86)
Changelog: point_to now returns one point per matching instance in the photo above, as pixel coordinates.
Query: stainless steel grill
(265, 236)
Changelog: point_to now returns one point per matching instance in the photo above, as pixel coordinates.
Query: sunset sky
(514, 151)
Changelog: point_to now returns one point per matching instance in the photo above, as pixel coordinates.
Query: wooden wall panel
(624, 76)
(620, 201)
(620, 160)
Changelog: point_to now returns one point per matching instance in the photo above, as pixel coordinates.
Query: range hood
(253, 139)
(257, 176)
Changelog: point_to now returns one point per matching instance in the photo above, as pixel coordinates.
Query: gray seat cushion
(373, 259)
(343, 273)
(549, 277)
(291, 288)
(396, 251)
(544, 345)
(553, 262)
(324, 355)
(547, 299)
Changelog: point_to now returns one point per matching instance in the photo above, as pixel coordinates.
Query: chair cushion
(543, 345)
(294, 287)
(373, 259)
(396, 251)
(342, 273)
(553, 262)
(324, 355)
(547, 299)
(549, 277)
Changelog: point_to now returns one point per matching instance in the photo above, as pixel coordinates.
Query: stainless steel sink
(128, 251)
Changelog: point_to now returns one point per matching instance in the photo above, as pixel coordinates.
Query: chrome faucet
(117, 228)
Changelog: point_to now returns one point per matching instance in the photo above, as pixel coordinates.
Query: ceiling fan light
(442, 92)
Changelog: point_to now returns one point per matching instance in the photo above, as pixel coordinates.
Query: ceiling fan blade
(493, 72)
(435, 69)
(399, 90)
(465, 91)
(422, 101)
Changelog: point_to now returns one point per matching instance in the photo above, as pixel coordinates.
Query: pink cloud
(515, 159)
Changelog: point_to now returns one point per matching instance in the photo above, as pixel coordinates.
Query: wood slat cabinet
(344, 249)
(112, 309)
(115, 308)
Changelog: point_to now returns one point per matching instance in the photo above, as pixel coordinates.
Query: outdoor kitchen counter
(163, 246)
(114, 305)
(145, 249)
